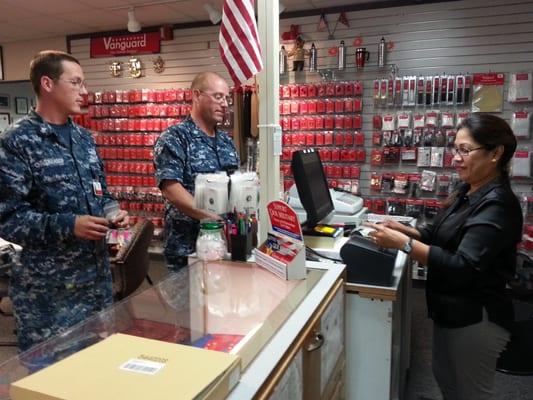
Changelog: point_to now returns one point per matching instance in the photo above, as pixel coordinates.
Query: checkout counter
(288, 334)
(378, 324)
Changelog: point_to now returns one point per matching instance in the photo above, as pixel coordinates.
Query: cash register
(366, 262)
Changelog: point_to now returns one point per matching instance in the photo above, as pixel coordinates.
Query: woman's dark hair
(490, 132)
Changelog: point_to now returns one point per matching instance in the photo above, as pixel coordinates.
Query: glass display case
(224, 306)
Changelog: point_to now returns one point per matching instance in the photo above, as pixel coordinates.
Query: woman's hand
(387, 237)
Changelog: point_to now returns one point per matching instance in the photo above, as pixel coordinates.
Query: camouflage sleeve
(19, 221)
(169, 158)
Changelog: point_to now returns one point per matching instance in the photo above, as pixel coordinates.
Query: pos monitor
(312, 186)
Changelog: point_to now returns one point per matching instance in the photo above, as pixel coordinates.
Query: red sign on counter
(120, 45)
(284, 220)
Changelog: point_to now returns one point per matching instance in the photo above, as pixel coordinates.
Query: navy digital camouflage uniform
(61, 280)
(182, 152)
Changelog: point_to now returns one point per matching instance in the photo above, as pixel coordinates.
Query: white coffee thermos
(381, 53)
(282, 60)
(313, 59)
(341, 62)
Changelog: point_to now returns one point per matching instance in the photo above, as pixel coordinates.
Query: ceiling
(36, 19)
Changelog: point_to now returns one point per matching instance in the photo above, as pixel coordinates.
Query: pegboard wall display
(126, 124)
(401, 159)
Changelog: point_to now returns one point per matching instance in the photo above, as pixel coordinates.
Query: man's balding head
(204, 80)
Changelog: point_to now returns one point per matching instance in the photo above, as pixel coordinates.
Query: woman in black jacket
(470, 252)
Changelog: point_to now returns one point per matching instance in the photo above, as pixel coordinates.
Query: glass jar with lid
(211, 243)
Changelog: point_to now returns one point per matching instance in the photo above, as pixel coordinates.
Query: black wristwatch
(408, 247)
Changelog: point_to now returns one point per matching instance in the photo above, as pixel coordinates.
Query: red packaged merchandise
(348, 89)
(339, 139)
(357, 104)
(357, 88)
(319, 138)
(361, 155)
(357, 122)
(311, 90)
(339, 106)
(285, 91)
(294, 105)
(295, 91)
(348, 139)
(347, 122)
(330, 89)
(339, 122)
(311, 105)
(325, 154)
(319, 122)
(311, 123)
(321, 106)
(309, 139)
(328, 138)
(376, 157)
(329, 122)
(359, 139)
(330, 106)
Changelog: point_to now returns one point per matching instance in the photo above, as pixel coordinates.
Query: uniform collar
(196, 130)
(43, 127)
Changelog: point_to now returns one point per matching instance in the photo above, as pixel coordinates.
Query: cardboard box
(283, 253)
(130, 367)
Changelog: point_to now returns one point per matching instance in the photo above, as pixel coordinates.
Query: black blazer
(472, 256)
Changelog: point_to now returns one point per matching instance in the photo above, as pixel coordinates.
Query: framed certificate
(5, 120)
(21, 105)
(1, 65)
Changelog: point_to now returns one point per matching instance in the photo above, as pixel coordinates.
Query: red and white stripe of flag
(239, 42)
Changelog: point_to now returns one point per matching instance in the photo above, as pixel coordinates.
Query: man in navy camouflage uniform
(185, 150)
(52, 194)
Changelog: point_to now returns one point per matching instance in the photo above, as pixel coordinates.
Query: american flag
(239, 43)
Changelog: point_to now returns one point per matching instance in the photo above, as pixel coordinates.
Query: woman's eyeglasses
(464, 152)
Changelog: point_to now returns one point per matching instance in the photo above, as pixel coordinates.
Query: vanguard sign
(120, 45)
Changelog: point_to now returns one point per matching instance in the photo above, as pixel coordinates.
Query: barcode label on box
(142, 366)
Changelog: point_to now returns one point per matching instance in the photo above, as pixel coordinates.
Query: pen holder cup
(241, 247)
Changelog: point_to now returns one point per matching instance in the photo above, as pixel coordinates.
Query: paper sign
(284, 220)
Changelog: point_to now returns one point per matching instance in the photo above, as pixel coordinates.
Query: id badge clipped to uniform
(97, 188)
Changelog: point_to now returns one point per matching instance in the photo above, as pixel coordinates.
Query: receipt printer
(367, 263)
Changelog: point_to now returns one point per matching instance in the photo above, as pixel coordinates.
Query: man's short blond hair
(200, 81)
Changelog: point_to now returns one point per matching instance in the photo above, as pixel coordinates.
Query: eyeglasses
(219, 97)
(76, 83)
(464, 152)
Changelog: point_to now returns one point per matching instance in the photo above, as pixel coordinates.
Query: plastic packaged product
(521, 164)
(427, 180)
(520, 87)
(488, 92)
(521, 123)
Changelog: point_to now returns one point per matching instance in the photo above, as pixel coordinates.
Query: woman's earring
(493, 160)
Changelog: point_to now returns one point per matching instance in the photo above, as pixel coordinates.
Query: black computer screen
(311, 185)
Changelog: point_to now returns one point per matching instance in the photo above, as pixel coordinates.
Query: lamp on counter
(215, 15)
(133, 24)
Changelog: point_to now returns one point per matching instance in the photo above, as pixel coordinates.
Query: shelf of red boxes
(326, 116)
(127, 123)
